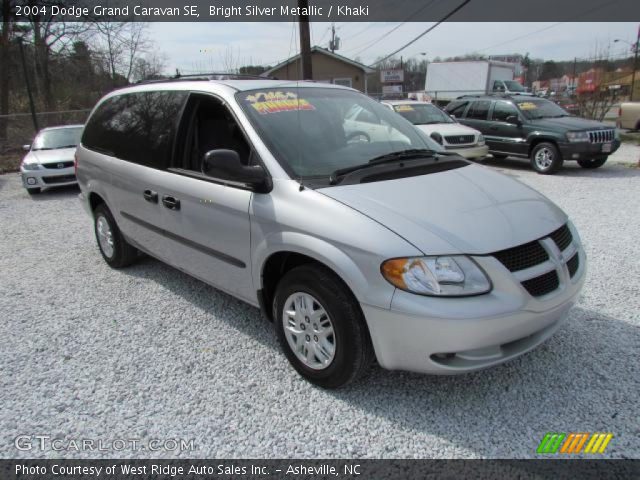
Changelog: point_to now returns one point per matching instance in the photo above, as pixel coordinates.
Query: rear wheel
(592, 162)
(33, 191)
(114, 248)
(546, 158)
(320, 327)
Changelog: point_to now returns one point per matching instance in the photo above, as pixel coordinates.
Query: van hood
(471, 210)
(570, 123)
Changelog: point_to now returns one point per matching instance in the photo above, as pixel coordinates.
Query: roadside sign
(391, 76)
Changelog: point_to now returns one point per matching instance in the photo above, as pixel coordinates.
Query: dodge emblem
(61, 165)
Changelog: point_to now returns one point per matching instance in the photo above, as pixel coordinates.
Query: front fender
(366, 287)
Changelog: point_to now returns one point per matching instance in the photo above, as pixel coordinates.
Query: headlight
(480, 139)
(438, 276)
(577, 136)
(31, 166)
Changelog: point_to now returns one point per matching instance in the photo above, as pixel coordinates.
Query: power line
(452, 12)
(384, 35)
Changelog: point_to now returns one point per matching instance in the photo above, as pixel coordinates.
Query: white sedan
(50, 161)
(454, 137)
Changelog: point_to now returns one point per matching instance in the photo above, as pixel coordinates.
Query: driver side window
(208, 125)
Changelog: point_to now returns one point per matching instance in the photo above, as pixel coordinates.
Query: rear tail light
(619, 111)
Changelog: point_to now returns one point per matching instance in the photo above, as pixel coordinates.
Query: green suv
(535, 128)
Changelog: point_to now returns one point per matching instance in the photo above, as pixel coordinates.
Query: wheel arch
(538, 139)
(272, 263)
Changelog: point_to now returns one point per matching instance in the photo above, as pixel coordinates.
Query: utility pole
(28, 85)
(574, 80)
(305, 40)
(332, 43)
(635, 65)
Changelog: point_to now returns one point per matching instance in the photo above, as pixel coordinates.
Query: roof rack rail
(497, 94)
(207, 77)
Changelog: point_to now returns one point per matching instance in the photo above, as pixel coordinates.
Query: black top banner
(318, 469)
(327, 10)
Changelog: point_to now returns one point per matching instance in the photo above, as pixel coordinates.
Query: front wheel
(115, 250)
(592, 162)
(320, 327)
(546, 158)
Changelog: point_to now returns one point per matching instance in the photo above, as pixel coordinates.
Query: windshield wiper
(66, 146)
(387, 158)
(43, 148)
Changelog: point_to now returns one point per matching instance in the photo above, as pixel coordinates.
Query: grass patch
(10, 162)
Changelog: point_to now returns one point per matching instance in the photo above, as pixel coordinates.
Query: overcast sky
(200, 47)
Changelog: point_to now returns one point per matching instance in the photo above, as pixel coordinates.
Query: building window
(345, 82)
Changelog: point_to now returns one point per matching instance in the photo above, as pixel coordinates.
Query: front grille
(55, 166)
(460, 139)
(573, 265)
(59, 179)
(562, 237)
(542, 285)
(601, 136)
(523, 256)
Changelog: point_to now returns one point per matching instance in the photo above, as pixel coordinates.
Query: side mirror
(513, 119)
(26, 148)
(226, 165)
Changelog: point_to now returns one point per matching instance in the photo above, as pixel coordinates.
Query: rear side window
(479, 110)
(137, 127)
(457, 108)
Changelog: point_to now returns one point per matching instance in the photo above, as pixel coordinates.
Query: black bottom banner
(317, 469)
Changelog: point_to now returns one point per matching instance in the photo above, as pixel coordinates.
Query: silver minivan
(356, 246)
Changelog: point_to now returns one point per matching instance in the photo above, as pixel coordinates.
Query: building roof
(324, 51)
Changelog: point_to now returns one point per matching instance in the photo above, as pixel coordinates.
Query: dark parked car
(535, 128)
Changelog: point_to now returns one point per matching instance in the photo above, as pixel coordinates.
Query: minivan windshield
(315, 131)
(57, 138)
(422, 113)
(535, 108)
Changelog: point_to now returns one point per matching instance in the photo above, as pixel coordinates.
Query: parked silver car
(49, 161)
(354, 246)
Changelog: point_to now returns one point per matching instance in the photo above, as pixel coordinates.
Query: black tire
(123, 253)
(353, 348)
(592, 162)
(499, 156)
(553, 162)
(33, 191)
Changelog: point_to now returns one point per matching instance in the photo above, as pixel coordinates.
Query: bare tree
(148, 67)
(4, 69)
(49, 37)
(120, 45)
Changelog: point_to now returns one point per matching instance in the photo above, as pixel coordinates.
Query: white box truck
(449, 80)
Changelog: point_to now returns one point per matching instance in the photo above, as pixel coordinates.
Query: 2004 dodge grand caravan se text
(354, 247)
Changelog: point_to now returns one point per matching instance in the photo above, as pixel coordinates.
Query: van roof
(236, 84)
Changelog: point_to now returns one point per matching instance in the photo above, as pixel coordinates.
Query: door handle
(170, 202)
(150, 196)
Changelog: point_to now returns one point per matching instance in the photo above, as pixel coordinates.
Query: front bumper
(585, 150)
(470, 152)
(48, 177)
(458, 335)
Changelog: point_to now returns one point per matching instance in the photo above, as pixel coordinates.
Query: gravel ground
(150, 353)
